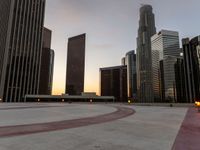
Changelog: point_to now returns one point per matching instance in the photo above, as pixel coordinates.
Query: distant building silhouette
(144, 59)
(47, 64)
(123, 61)
(191, 53)
(113, 82)
(75, 65)
(21, 26)
(131, 75)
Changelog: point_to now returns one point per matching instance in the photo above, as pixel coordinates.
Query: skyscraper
(164, 45)
(156, 75)
(21, 26)
(191, 54)
(75, 65)
(131, 74)
(162, 81)
(180, 81)
(47, 64)
(113, 82)
(167, 43)
(144, 59)
(169, 78)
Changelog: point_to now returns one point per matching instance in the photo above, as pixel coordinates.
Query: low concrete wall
(165, 104)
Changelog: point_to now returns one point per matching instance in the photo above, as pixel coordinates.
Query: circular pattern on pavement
(9, 131)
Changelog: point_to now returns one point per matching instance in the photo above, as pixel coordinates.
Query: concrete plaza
(62, 126)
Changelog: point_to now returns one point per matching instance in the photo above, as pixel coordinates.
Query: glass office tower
(131, 75)
(144, 59)
(191, 54)
(165, 46)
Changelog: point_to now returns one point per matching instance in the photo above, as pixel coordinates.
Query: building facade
(191, 54)
(21, 26)
(113, 82)
(162, 81)
(47, 64)
(165, 46)
(75, 65)
(169, 78)
(180, 81)
(131, 75)
(156, 75)
(144, 58)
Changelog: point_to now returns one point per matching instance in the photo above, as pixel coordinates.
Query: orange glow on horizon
(91, 83)
(88, 88)
(58, 90)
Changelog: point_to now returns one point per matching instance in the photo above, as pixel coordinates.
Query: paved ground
(96, 127)
(189, 133)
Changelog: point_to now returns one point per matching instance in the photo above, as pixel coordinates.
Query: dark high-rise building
(46, 72)
(169, 78)
(162, 81)
(144, 59)
(46, 41)
(191, 54)
(21, 26)
(131, 74)
(47, 64)
(113, 82)
(180, 81)
(75, 65)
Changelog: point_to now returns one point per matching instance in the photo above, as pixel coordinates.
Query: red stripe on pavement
(188, 137)
(18, 130)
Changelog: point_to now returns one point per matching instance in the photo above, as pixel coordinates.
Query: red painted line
(9, 131)
(188, 137)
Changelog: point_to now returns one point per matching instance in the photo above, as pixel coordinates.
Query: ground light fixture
(197, 103)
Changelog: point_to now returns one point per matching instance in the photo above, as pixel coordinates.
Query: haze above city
(111, 27)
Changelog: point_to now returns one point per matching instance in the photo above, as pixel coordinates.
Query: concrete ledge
(165, 104)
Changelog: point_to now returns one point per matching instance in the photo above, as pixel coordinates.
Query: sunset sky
(111, 28)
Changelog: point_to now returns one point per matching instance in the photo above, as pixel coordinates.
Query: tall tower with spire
(144, 59)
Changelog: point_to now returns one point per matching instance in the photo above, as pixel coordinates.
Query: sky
(111, 29)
